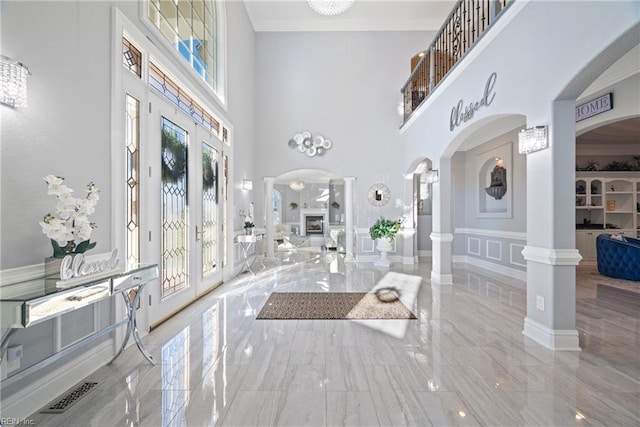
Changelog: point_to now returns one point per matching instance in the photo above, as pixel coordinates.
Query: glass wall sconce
(532, 139)
(431, 176)
(247, 184)
(13, 82)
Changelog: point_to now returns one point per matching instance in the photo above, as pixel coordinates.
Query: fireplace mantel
(313, 212)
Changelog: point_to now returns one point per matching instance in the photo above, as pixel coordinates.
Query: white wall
(65, 128)
(241, 113)
(344, 86)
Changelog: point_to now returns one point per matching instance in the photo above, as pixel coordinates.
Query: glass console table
(28, 303)
(246, 241)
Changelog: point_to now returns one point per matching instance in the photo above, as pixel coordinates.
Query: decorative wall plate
(379, 194)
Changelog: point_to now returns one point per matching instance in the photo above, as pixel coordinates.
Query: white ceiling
(364, 15)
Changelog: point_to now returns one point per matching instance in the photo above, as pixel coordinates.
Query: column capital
(349, 178)
(269, 178)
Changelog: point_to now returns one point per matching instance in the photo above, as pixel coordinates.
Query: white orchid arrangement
(70, 229)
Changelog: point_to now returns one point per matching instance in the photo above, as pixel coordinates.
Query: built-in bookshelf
(606, 202)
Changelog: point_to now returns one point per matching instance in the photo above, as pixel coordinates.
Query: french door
(185, 214)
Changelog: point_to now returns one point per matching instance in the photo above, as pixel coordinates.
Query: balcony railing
(466, 23)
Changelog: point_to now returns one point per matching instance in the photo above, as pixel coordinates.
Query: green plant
(335, 205)
(618, 166)
(293, 205)
(248, 224)
(174, 158)
(385, 228)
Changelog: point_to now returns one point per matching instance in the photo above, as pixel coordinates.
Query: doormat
(333, 305)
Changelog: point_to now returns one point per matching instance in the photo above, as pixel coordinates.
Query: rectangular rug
(332, 305)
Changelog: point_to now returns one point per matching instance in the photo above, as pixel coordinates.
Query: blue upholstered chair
(618, 258)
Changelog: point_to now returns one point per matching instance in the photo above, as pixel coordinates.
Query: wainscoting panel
(473, 246)
(515, 255)
(494, 249)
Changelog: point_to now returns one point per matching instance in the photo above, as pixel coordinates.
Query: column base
(554, 339)
(441, 279)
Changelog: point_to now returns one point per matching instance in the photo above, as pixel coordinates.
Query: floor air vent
(69, 399)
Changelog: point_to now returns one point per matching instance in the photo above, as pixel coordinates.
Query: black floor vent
(69, 399)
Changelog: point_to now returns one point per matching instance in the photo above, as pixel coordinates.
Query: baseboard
(50, 385)
(554, 339)
(496, 268)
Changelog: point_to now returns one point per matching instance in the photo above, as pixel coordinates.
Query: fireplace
(314, 224)
(314, 221)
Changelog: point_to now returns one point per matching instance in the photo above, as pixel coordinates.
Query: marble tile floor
(464, 361)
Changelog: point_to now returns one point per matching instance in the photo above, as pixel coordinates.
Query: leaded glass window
(132, 142)
(190, 27)
(209, 209)
(175, 254)
(131, 57)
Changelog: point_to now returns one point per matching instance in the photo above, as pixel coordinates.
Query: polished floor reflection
(464, 360)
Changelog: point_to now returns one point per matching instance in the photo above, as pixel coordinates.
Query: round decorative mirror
(379, 194)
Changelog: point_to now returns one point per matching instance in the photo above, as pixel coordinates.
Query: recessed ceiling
(364, 15)
(621, 132)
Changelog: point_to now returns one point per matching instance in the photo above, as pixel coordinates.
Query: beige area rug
(332, 305)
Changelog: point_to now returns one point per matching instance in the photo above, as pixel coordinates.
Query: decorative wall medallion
(311, 145)
(379, 194)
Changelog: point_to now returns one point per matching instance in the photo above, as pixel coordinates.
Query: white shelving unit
(606, 202)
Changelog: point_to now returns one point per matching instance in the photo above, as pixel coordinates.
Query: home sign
(595, 106)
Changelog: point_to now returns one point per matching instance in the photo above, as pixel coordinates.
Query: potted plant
(248, 227)
(293, 206)
(384, 231)
(335, 205)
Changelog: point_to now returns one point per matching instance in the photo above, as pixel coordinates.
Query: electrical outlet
(540, 302)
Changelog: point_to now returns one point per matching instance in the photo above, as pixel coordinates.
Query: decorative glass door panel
(210, 221)
(132, 141)
(175, 209)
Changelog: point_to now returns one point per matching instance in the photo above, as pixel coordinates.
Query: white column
(442, 234)
(550, 252)
(349, 182)
(268, 214)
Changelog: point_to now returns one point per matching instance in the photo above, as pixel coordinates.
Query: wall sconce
(532, 139)
(13, 82)
(431, 176)
(247, 184)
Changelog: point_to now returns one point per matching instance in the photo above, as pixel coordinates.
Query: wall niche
(494, 182)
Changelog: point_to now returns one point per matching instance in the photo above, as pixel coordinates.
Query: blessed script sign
(77, 266)
(462, 113)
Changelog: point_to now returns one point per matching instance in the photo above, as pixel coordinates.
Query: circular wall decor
(379, 194)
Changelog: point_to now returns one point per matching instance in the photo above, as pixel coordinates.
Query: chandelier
(296, 185)
(330, 7)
